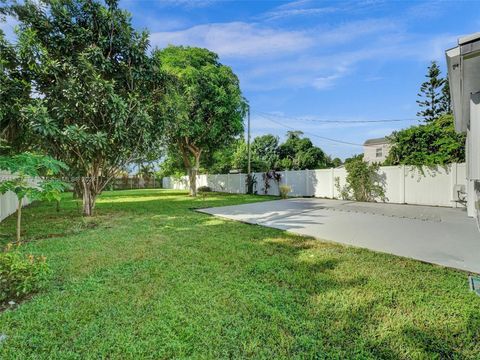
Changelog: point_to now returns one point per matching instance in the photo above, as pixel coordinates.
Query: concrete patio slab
(443, 236)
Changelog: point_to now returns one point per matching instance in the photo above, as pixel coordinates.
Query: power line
(315, 135)
(339, 121)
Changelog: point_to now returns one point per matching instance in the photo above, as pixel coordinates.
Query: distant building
(376, 150)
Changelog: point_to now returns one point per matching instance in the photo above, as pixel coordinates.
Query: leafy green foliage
(298, 153)
(265, 147)
(434, 143)
(20, 274)
(94, 83)
(240, 159)
(14, 95)
(363, 182)
(24, 168)
(31, 164)
(204, 104)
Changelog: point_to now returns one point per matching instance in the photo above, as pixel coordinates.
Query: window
(379, 152)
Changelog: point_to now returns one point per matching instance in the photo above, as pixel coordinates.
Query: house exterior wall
(371, 152)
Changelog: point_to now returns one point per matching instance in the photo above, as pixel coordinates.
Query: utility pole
(248, 143)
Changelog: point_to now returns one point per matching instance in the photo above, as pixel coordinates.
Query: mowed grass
(149, 277)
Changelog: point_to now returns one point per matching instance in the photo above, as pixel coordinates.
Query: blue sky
(300, 61)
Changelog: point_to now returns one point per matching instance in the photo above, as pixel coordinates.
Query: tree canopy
(434, 95)
(434, 143)
(265, 147)
(92, 82)
(299, 153)
(14, 95)
(204, 107)
(267, 153)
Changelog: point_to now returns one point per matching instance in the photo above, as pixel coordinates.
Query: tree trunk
(193, 173)
(192, 177)
(77, 189)
(187, 151)
(89, 197)
(19, 219)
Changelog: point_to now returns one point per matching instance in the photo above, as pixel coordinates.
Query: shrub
(204, 189)
(20, 274)
(363, 182)
(284, 191)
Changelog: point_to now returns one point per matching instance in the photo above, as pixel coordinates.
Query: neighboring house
(376, 150)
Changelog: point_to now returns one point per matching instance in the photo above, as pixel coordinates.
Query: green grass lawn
(148, 277)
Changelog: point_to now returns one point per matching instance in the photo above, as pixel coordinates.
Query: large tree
(432, 102)
(92, 81)
(204, 106)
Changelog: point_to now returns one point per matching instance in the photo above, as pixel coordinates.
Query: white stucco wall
(370, 153)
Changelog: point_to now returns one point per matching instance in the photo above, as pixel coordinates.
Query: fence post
(332, 188)
(453, 182)
(402, 184)
(306, 183)
(286, 182)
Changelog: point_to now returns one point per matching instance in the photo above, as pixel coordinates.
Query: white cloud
(236, 39)
(283, 13)
(189, 3)
(268, 57)
(325, 82)
(312, 8)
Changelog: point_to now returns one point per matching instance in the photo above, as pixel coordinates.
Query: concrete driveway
(444, 236)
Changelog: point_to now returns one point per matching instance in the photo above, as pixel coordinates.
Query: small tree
(363, 183)
(24, 167)
(431, 94)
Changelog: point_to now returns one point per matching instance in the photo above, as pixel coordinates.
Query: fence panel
(297, 180)
(433, 186)
(391, 179)
(9, 201)
(339, 181)
(402, 184)
(321, 183)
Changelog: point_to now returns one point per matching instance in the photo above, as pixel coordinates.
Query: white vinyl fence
(402, 184)
(8, 201)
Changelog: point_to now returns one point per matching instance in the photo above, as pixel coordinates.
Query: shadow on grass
(292, 296)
